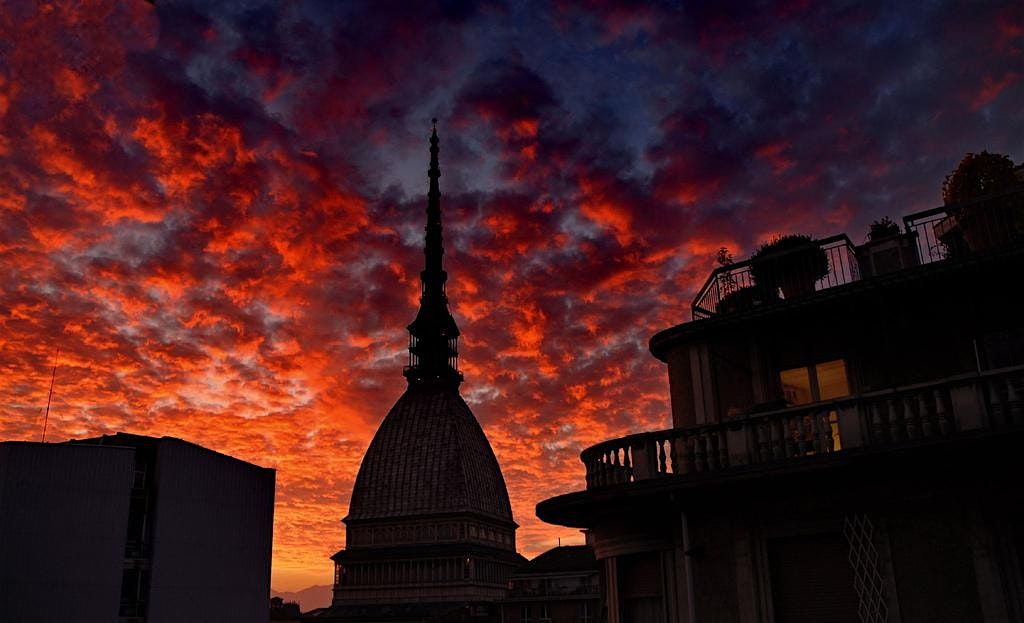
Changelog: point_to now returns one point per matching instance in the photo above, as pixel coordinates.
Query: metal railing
(986, 223)
(988, 400)
(735, 287)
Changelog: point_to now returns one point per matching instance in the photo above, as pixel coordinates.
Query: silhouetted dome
(429, 456)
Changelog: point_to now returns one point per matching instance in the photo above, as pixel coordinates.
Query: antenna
(53, 376)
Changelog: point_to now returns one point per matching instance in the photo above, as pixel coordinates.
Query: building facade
(133, 529)
(429, 531)
(562, 585)
(845, 445)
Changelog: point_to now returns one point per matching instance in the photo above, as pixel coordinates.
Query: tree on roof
(978, 175)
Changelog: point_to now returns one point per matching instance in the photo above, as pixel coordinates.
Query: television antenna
(49, 397)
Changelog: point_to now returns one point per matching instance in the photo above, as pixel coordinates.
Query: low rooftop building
(133, 529)
(559, 586)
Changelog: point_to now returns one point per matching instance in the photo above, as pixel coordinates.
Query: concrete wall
(63, 519)
(212, 537)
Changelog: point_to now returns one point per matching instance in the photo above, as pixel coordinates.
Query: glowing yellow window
(822, 381)
(832, 382)
(796, 386)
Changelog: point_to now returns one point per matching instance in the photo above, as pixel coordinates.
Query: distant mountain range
(307, 598)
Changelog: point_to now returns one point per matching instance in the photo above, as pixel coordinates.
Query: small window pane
(796, 386)
(832, 381)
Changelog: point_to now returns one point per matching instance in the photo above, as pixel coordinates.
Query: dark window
(524, 614)
(543, 616)
(639, 577)
(811, 579)
(584, 613)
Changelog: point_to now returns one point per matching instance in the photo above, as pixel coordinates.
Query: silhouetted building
(559, 586)
(429, 532)
(133, 529)
(281, 610)
(846, 441)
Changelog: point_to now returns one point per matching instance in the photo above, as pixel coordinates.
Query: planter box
(887, 255)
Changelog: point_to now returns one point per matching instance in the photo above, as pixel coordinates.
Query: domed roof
(429, 456)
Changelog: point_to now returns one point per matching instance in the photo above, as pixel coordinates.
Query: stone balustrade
(955, 405)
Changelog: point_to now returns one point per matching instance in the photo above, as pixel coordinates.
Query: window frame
(814, 385)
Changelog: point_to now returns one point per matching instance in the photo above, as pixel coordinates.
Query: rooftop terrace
(940, 234)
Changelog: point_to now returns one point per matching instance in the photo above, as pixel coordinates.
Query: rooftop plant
(884, 227)
(792, 263)
(981, 221)
(978, 175)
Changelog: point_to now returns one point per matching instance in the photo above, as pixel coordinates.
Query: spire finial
(433, 335)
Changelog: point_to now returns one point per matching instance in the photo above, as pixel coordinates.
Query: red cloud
(198, 207)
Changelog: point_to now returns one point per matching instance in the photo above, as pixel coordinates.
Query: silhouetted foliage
(978, 175)
(980, 220)
(792, 262)
(883, 228)
(742, 299)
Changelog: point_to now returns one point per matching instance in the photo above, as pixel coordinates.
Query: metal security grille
(868, 582)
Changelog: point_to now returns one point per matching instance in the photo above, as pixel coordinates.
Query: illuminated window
(832, 382)
(796, 386)
(822, 381)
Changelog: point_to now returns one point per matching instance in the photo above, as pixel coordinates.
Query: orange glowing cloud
(214, 210)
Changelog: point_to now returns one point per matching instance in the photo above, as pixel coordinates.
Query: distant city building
(281, 610)
(559, 586)
(848, 423)
(133, 529)
(429, 531)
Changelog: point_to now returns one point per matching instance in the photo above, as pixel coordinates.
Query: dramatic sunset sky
(215, 209)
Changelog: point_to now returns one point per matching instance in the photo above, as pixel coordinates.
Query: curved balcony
(726, 282)
(902, 416)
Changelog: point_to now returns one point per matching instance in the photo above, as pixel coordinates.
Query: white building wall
(212, 537)
(63, 520)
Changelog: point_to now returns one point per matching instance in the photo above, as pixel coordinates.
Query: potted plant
(738, 300)
(791, 263)
(734, 296)
(887, 249)
(982, 223)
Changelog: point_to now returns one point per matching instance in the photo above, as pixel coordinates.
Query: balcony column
(681, 388)
(645, 458)
(741, 443)
(927, 422)
(966, 402)
(853, 425)
(611, 592)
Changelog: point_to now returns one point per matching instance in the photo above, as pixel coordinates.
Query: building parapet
(946, 408)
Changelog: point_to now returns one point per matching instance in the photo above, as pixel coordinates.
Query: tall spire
(433, 335)
(434, 276)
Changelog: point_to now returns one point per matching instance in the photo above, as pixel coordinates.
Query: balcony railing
(734, 286)
(987, 223)
(989, 400)
(976, 226)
